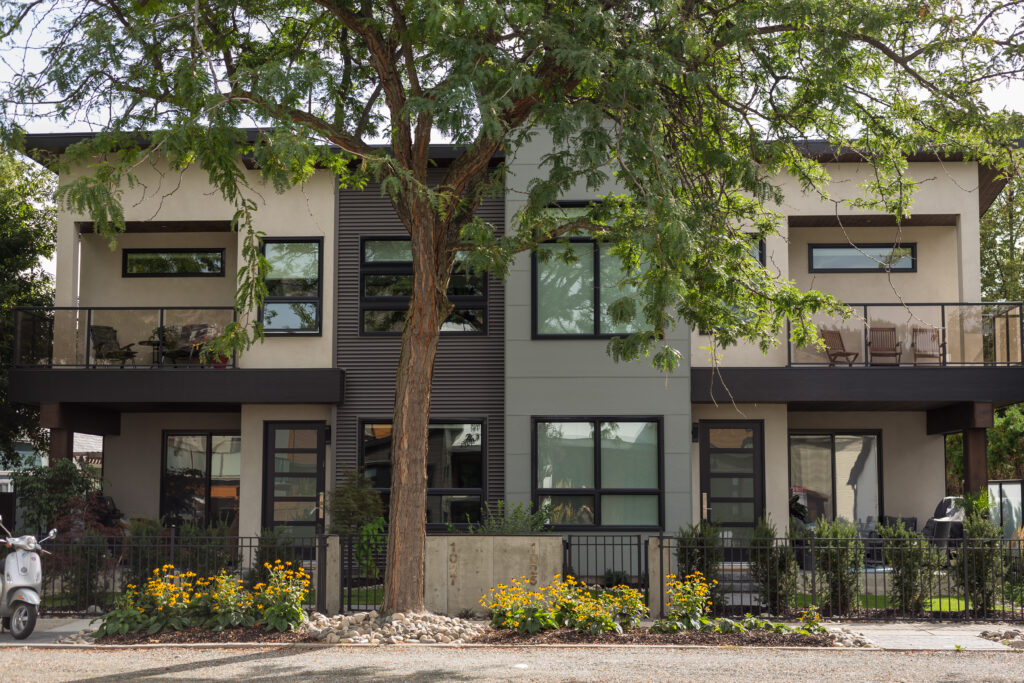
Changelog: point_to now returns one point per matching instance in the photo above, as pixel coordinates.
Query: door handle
(705, 508)
(320, 505)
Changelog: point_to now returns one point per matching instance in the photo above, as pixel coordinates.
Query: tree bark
(404, 576)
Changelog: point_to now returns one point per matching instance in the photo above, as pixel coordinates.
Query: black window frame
(762, 249)
(597, 491)
(208, 434)
(318, 299)
(174, 250)
(832, 434)
(863, 245)
(401, 303)
(481, 492)
(270, 449)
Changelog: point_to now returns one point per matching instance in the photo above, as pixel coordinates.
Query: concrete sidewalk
(926, 635)
(47, 630)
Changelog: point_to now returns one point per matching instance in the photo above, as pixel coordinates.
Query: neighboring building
(526, 403)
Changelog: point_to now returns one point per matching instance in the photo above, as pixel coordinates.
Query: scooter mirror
(53, 532)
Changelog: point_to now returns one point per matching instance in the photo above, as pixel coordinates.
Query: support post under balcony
(975, 460)
(62, 444)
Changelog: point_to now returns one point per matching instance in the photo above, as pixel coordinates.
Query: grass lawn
(865, 601)
(364, 596)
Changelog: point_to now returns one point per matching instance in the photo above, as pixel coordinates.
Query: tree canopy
(693, 108)
(28, 232)
(1002, 245)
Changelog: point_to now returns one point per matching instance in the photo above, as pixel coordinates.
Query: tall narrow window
(294, 286)
(836, 475)
(596, 472)
(575, 284)
(455, 474)
(201, 477)
(387, 285)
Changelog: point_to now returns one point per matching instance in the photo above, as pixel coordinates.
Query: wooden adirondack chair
(836, 349)
(105, 345)
(882, 343)
(926, 342)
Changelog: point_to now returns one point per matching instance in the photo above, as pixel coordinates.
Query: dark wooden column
(975, 460)
(62, 444)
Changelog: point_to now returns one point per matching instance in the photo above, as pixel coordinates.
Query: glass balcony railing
(118, 337)
(918, 335)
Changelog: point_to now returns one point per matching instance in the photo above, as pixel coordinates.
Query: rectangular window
(599, 472)
(455, 468)
(758, 249)
(575, 284)
(836, 475)
(862, 258)
(172, 263)
(200, 478)
(387, 284)
(294, 286)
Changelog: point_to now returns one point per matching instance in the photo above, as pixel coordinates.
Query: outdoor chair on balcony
(189, 343)
(106, 347)
(835, 349)
(926, 342)
(882, 343)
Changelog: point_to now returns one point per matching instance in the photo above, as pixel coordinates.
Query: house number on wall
(453, 563)
(534, 563)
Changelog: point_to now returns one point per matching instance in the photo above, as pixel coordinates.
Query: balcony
(109, 337)
(918, 335)
(118, 359)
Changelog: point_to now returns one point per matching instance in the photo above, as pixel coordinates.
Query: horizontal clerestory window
(862, 258)
(172, 263)
(387, 283)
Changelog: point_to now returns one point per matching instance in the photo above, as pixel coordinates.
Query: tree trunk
(404, 576)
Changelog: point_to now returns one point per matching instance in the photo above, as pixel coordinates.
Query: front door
(293, 476)
(732, 476)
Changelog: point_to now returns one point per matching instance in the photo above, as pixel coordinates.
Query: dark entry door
(293, 476)
(732, 475)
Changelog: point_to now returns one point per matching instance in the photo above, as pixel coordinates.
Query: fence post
(174, 532)
(331, 570)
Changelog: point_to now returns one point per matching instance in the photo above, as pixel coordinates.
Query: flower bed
(173, 601)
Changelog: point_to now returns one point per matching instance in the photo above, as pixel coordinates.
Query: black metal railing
(85, 576)
(363, 561)
(859, 578)
(919, 334)
(121, 337)
(607, 560)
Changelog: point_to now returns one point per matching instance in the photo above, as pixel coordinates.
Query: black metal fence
(858, 578)
(85, 576)
(607, 560)
(363, 560)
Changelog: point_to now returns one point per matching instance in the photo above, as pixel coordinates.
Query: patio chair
(882, 343)
(106, 347)
(190, 340)
(835, 349)
(926, 342)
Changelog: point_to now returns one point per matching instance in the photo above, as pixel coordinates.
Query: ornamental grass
(173, 600)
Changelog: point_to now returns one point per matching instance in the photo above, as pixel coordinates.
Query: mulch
(247, 634)
(643, 636)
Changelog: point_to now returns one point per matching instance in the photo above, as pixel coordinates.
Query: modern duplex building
(526, 404)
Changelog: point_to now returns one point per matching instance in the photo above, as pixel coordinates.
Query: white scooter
(21, 583)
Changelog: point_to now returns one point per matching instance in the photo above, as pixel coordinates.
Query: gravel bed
(643, 636)
(372, 628)
(284, 663)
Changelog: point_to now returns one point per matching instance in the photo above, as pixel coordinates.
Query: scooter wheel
(23, 620)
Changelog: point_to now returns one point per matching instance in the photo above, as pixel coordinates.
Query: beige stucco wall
(132, 459)
(87, 270)
(252, 422)
(949, 257)
(913, 462)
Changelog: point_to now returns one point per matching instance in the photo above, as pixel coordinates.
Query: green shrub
(700, 550)
(500, 519)
(979, 564)
(615, 577)
(84, 567)
(773, 567)
(204, 549)
(372, 542)
(913, 560)
(1013, 563)
(146, 546)
(354, 504)
(44, 491)
(838, 559)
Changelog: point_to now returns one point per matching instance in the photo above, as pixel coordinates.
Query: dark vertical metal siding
(469, 373)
